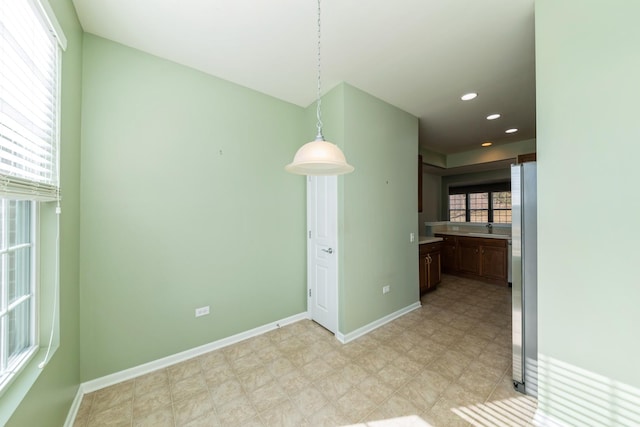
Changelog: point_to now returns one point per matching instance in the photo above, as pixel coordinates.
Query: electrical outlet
(386, 289)
(202, 311)
(412, 237)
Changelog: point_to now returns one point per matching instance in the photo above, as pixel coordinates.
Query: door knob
(329, 251)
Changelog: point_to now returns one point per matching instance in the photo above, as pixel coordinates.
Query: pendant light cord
(319, 136)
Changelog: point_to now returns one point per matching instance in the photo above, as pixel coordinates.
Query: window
(458, 207)
(17, 287)
(29, 116)
(480, 203)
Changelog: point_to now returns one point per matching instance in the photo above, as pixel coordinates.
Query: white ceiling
(419, 55)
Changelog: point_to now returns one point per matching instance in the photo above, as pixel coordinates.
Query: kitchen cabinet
(430, 266)
(478, 258)
(469, 253)
(449, 254)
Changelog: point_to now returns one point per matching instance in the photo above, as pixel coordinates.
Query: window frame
(18, 363)
(467, 190)
(44, 268)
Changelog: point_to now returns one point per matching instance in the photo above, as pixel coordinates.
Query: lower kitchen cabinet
(430, 266)
(476, 258)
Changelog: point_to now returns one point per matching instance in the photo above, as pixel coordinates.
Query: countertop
(482, 235)
(426, 239)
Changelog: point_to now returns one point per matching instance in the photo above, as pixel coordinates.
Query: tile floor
(445, 364)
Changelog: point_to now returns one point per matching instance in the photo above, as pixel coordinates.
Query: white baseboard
(376, 324)
(75, 405)
(136, 371)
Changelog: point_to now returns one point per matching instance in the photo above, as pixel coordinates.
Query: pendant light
(319, 157)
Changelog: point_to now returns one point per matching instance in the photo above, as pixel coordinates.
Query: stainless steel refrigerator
(524, 278)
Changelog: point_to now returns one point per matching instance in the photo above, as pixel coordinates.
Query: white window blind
(29, 68)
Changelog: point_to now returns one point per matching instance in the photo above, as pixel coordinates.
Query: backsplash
(465, 227)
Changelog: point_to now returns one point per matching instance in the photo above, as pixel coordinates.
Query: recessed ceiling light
(512, 130)
(468, 96)
(487, 144)
(493, 116)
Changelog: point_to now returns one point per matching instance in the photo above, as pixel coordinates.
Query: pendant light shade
(319, 157)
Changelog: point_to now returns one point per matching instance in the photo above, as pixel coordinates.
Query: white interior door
(322, 250)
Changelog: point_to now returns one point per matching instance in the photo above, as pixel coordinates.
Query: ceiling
(419, 55)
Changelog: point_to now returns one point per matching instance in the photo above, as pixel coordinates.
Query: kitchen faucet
(490, 228)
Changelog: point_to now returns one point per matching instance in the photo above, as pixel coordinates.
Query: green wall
(185, 203)
(587, 68)
(379, 210)
(47, 402)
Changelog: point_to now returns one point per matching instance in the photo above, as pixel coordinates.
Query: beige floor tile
(192, 408)
(333, 386)
(398, 406)
(375, 389)
(327, 416)
(188, 387)
(302, 356)
(255, 378)
(267, 396)
(268, 353)
(160, 418)
(212, 360)
(239, 350)
(156, 379)
(114, 416)
(236, 411)
(218, 374)
(393, 376)
(316, 369)
(355, 405)
(226, 392)
(451, 364)
(184, 370)
(281, 366)
(245, 363)
(112, 396)
(283, 415)
(293, 382)
(207, 420)
(309, 400)
(354, 373)
(421, 395)
(448, 362)
(153, 400)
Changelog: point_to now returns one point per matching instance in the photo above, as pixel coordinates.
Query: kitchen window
(481, 203)
(30, 42)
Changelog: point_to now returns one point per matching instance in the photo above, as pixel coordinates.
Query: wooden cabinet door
(494, 262)
(423, 263)
(435, 268)
(449, 254)
(468, 255)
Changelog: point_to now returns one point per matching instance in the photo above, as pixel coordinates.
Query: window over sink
(481, 203)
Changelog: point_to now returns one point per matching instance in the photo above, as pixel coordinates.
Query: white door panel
(322, 259)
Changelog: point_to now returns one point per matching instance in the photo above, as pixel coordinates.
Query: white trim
(136, 371)
(376, 324)
(75, 406)
(54, 25)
